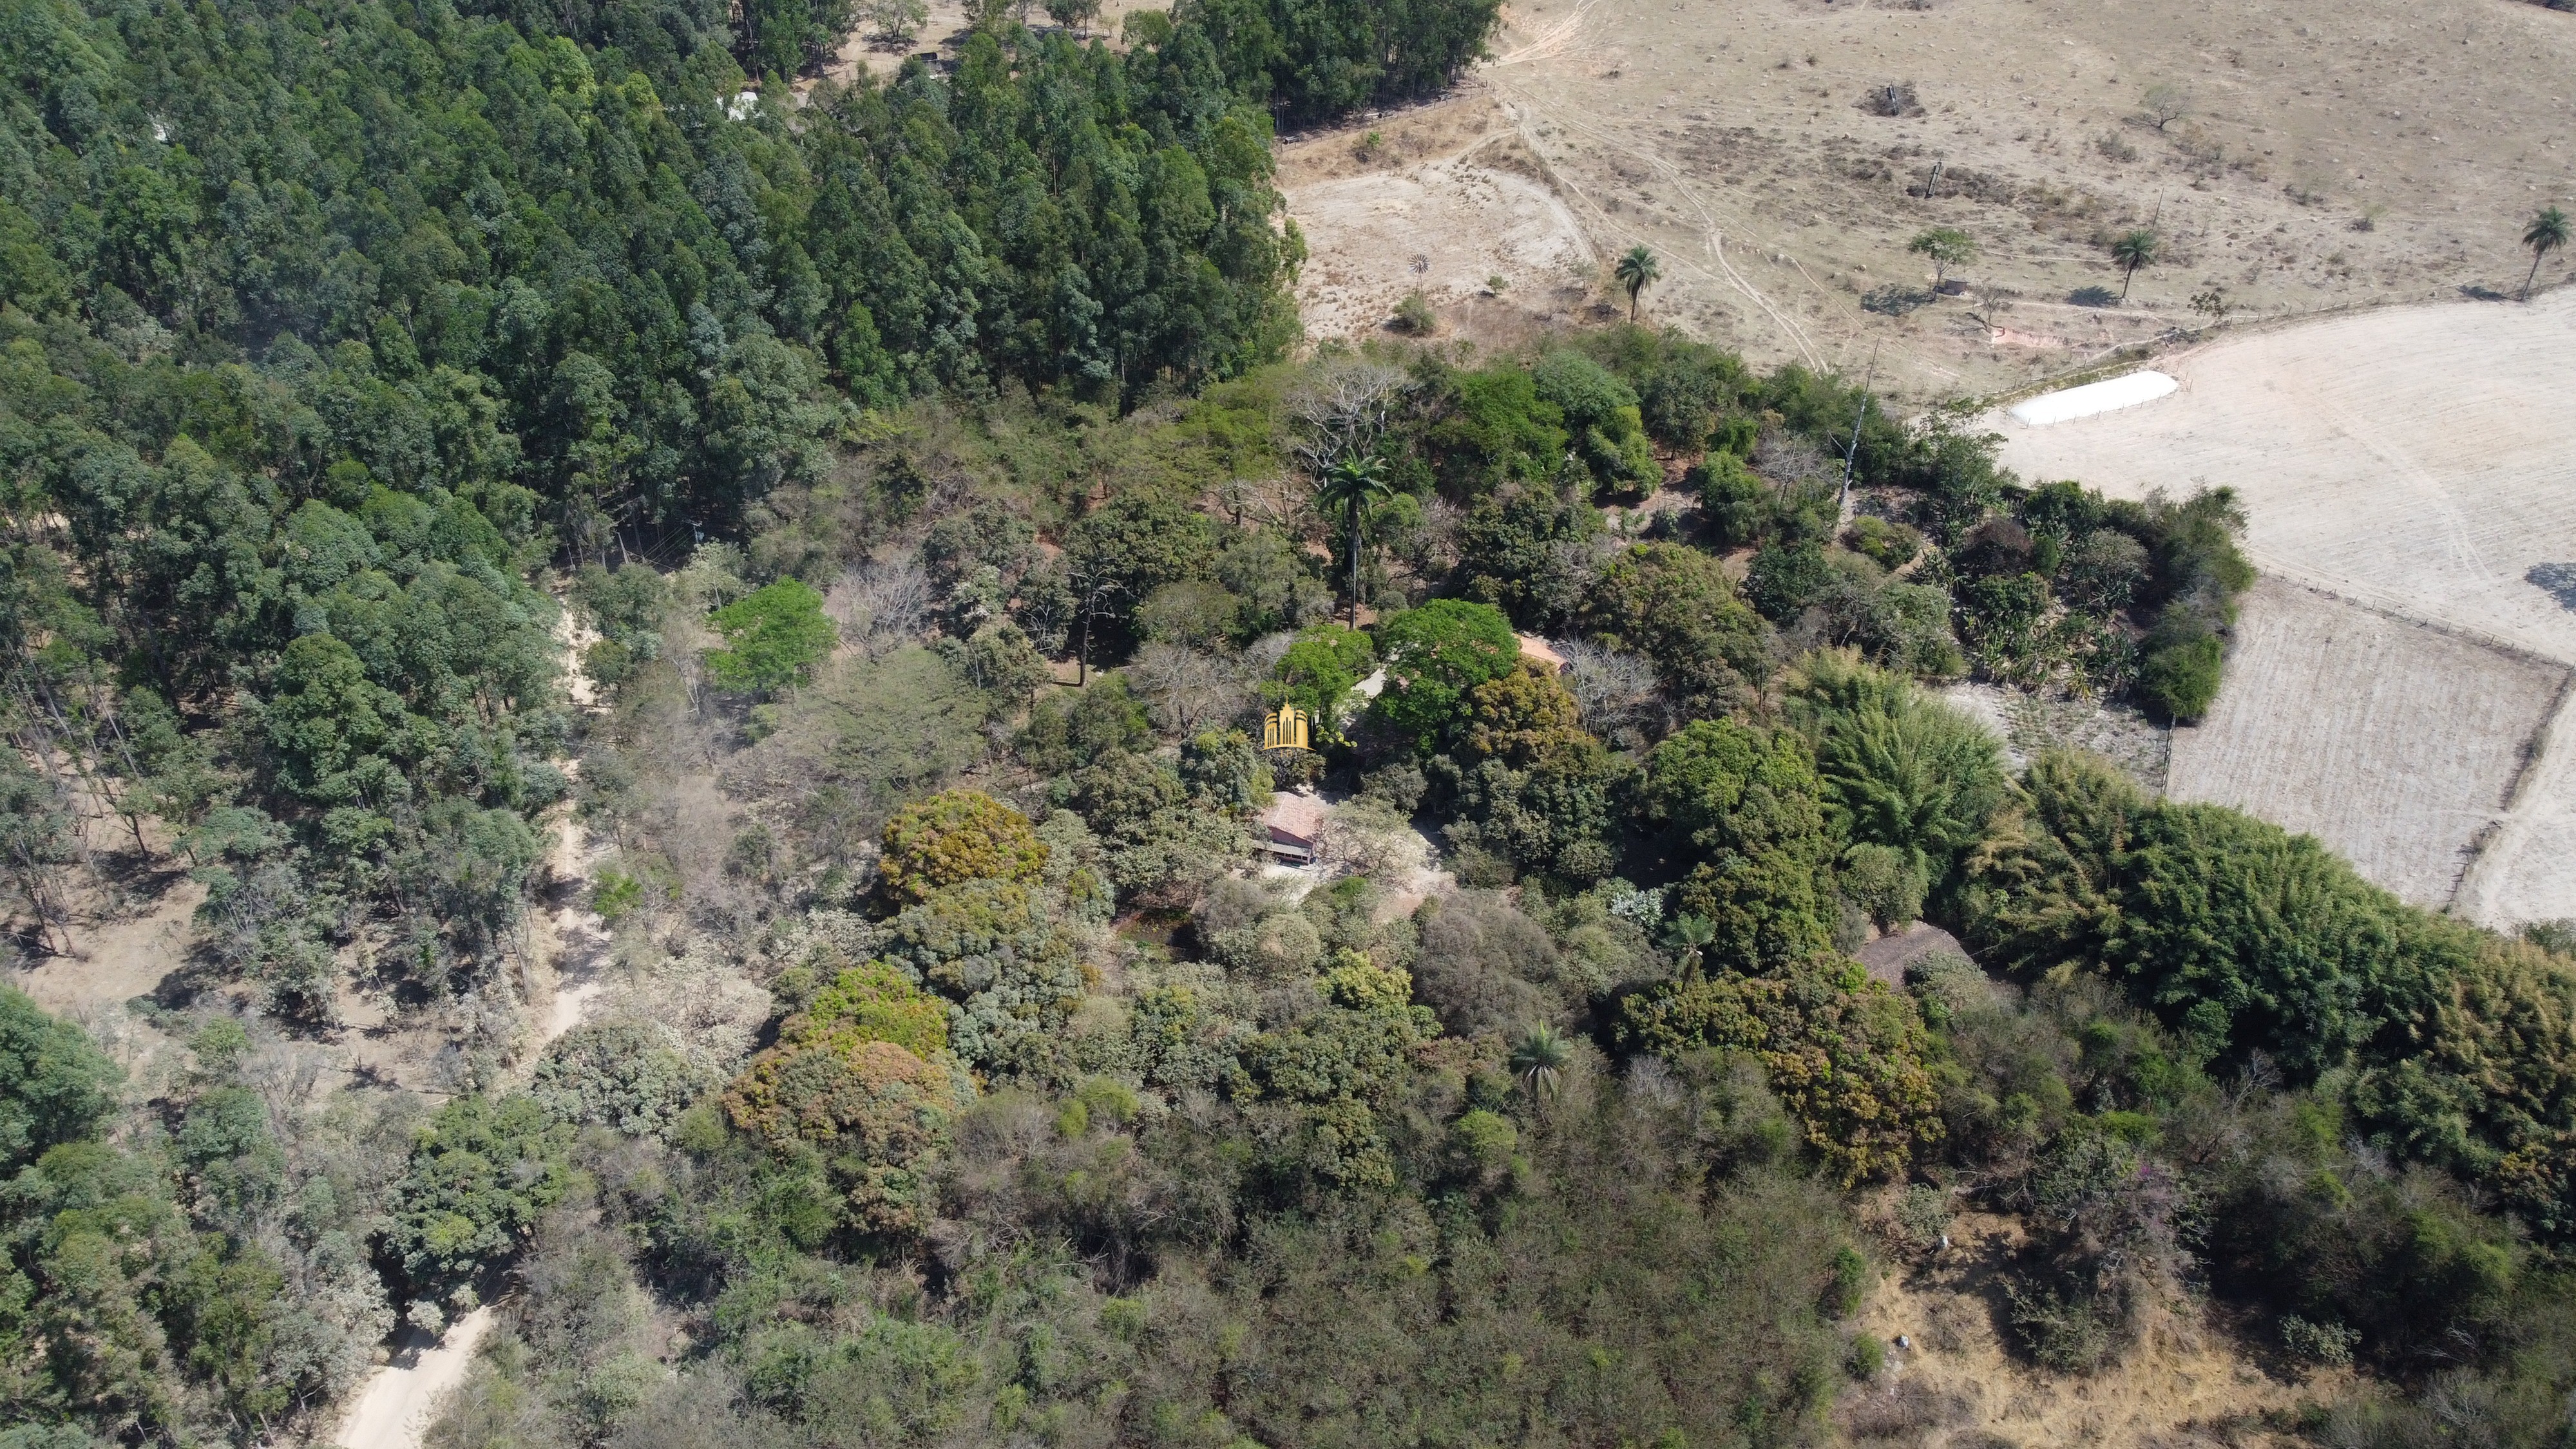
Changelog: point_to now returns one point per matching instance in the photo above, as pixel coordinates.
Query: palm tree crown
(2133, 250)
(1539, 1059)
(2546, 234)
(1637, 271)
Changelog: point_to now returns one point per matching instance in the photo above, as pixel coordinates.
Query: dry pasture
(2323, 156)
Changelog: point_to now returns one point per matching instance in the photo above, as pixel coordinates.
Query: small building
(1293, 826)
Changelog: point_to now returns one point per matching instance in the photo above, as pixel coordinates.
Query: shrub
(1867, 1359)
(1846, 1055)
(627, 1076)
(1888, 544)
(874, 1002)
(772, 639)
(2180, 680)
(2329, 1344)
(1733, 503)
(1784, 580)
(956, 837)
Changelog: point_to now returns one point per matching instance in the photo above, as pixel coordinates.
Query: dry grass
(1730, 135)
(1961, 1385)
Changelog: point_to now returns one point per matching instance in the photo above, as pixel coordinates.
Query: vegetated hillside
(959, 1079)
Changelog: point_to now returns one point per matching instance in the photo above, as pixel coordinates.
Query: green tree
(1320, 670)
(2547, 233)
(2130, 251)
(952, 838)
(772, 638)
(329, 726)
(1637, 270)
(1539, 1059)
(55, 1086)
(1737, 811)
(1848, 1057)
(1898, 768)
(1946, 246)
(1434, 655)
(1676, 606)
(1351, 485)
(480, 1174)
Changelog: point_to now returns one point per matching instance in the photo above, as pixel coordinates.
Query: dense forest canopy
(433, 435)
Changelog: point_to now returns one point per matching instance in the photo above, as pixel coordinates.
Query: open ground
(2326, 156)
(2413, 471)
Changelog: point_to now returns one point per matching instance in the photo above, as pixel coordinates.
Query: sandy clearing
(1446, 226)
(2527, 871)
(2395, 744)
(2420, 460)
(398, 1404)
(2185, 1386)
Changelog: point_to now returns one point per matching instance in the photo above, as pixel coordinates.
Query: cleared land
(2394, 743)
(2328, 155)
(2420, 460)
(2420, 463)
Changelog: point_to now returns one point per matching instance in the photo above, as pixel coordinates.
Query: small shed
(1293, 826)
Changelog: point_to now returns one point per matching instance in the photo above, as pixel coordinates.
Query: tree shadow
(1893, 300)
(2557, 580)
(2093, 297)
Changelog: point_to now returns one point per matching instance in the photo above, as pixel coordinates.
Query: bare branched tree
(881, 606)
(1341, 412)
(1612, 690)
(1189, 690)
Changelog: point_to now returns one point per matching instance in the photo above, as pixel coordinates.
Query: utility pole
(1851, 453)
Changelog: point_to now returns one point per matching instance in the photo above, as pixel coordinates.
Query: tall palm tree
(1637, 271)
(1351, 485)
(2546, 234)
(1539, 1059)
(2133, 250)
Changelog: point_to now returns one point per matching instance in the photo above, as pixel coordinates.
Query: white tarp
(2093, 397)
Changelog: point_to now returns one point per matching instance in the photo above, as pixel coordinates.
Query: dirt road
(396, 1405)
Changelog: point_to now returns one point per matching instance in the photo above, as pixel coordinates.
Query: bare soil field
(2419, 465)
(2420, 460)
(2396, 744)
(2325, 156)
(1960, 1386)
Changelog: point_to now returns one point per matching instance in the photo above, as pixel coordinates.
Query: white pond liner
(2094, 397)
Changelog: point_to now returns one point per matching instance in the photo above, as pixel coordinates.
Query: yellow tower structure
(1289, 729)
